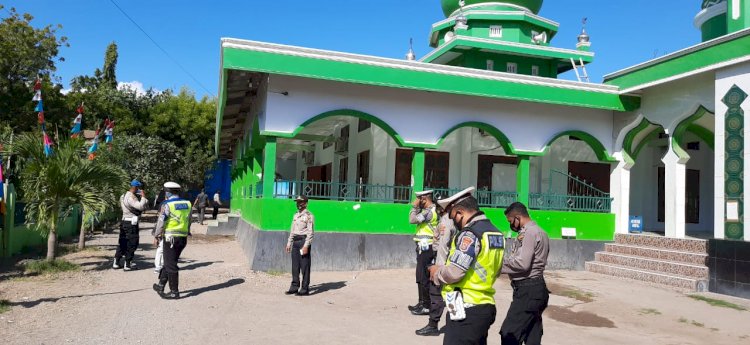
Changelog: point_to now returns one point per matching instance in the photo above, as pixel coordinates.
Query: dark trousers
(523, 324)
(300, 263)
(473, 329)
(216, 211)
(437, 304)
(424, 260)
(170, 272)
(127, 242)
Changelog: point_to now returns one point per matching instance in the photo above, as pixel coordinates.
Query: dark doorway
(594, 174)
(363, 172)
(437, 168)
(661, 201)
(484, 169)
(692, 196)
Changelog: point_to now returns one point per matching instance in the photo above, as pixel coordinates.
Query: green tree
(109, 79)
(189, 124)
(151, 160)
(54, 185)
(25, 53)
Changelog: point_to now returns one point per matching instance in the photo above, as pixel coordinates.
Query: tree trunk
(82, 235)
(51, 244)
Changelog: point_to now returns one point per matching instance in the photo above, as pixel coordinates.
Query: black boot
(419, 304)
(428, 331)
(159, 288)
(170, 295)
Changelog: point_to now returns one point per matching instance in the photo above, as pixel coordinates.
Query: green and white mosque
(662, 140)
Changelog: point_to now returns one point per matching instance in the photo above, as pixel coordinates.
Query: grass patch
(49, 267)
(692, 322)
(4, 306)
(578, 295)
(649, 311)
(276, 273)
(717, 302)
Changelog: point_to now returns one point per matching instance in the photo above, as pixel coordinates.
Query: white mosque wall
(644, 187)
(423, 117)
(669, 104)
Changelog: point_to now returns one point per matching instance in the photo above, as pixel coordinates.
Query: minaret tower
(504, 36)
(720, 17)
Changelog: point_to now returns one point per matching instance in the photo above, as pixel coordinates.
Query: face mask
(167, 195)
(301, 207)
(513, 225)
(457, 222)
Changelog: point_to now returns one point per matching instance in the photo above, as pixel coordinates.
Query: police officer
(132, 208)
(525, 266)
(298, 244)
(471, 269)
(424, 214)
(441, 244)
(172, 229)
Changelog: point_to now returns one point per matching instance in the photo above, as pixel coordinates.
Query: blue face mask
(168, 195)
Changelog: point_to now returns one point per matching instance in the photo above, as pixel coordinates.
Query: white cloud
(65, 91)
(132, 85)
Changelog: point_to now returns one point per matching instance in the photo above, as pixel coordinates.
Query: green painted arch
(492, 130)
(688, 125)
(341, 112)
(654, 134)
(593, 142)
(629, 140)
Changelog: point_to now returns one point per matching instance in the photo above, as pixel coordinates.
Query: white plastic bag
(134, 220)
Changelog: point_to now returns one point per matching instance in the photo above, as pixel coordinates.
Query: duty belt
(299, 237)
(528, 282)
(423, 237)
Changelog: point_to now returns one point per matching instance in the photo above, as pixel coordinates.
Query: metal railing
(485, 198)
(342, 191)
(569, 193)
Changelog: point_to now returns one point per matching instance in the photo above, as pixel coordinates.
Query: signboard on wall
(636, 224)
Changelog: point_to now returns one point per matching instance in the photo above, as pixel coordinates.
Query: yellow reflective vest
(426, 230)
(178, 221)
(477, 284)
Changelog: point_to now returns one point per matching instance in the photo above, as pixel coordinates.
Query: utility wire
(162, 49)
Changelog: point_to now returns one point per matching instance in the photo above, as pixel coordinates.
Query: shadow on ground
(30, 304)
(321, 288)
(224, 285)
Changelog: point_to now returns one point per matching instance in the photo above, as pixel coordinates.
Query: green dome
(450, 6)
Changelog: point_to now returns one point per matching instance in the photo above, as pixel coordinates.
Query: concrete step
(683, 283)
(675, 244)
(657, 253)
(654, 265)
(211, 222)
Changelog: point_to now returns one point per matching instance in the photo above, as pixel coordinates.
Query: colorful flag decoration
(109, 128)
(40, 110)
(76, 130)
(94, 146)
(47, 144)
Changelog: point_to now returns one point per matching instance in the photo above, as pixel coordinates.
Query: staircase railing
(570, 193)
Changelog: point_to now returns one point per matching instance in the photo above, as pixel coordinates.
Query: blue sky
(623, 32)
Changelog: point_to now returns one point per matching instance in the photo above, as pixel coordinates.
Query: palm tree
(53, 185)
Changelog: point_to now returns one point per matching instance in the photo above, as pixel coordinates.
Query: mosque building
(658, 146)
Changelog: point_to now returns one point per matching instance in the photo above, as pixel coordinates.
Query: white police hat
(172, 185)
(424, 193)
(455, 198)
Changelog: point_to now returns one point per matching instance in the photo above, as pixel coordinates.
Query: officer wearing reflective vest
(473, 264)
(172, 229)
(424, 215)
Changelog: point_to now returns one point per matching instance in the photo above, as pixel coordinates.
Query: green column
(522, 180)
(257, 169)
(269, 167)
(417, 169)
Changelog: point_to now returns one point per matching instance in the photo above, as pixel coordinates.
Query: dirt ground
(226, 303)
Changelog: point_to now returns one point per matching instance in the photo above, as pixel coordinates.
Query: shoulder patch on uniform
(496, 241)
(466, 243)
(181, 206)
